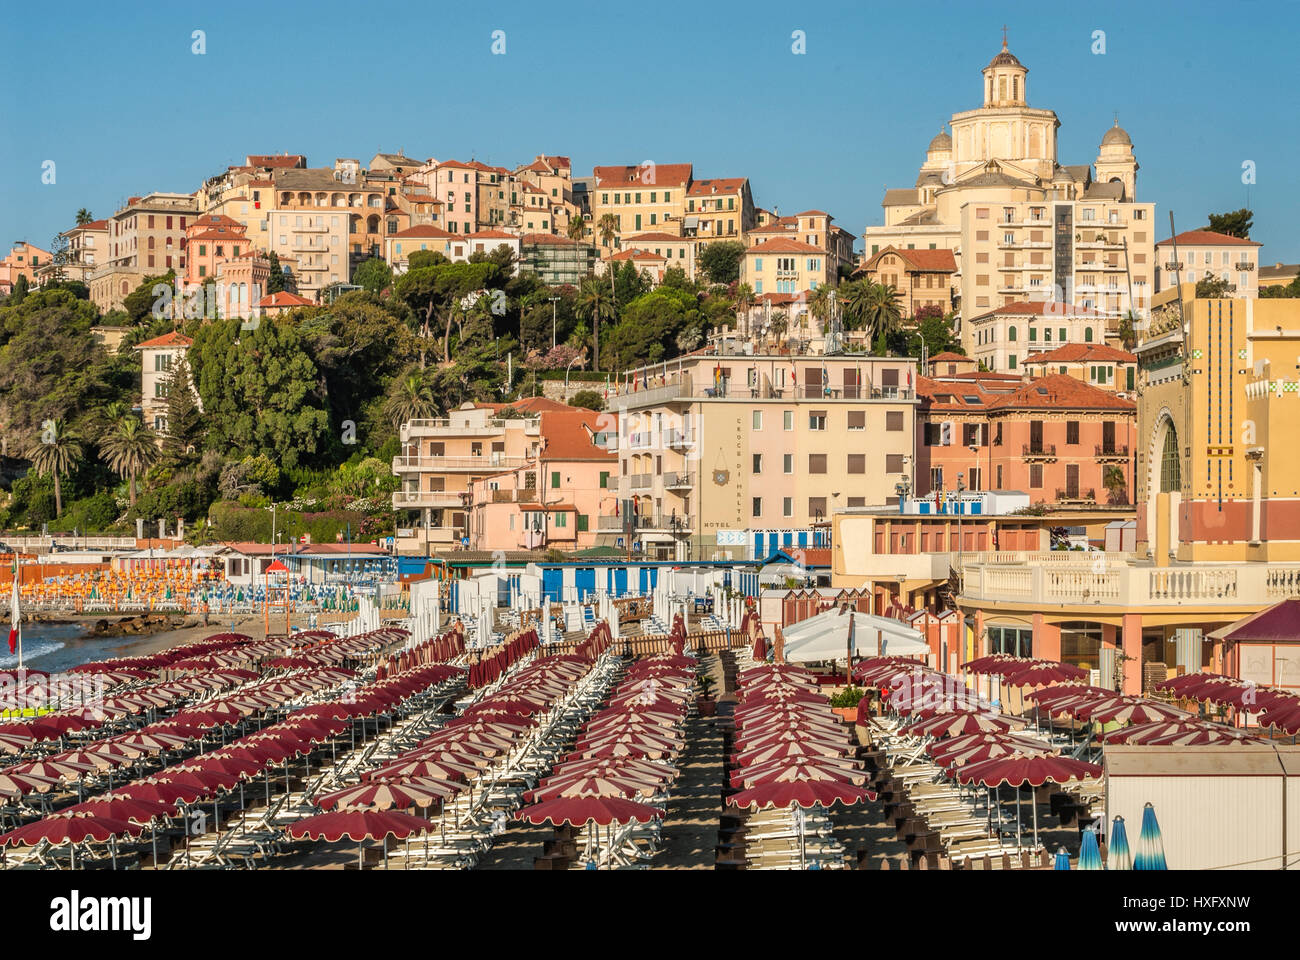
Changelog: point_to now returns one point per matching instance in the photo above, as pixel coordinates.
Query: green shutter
(555, 480)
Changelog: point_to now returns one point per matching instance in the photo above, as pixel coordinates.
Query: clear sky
(114, 95)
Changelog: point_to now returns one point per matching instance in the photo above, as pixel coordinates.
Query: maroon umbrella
(579, 811)
(799, 793)
(954, 724)
(360, 825)
(1033, 770)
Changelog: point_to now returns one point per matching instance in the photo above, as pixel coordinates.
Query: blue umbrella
(1062, 861)
(1089, 852)
(1120, 857)
(1150, 848)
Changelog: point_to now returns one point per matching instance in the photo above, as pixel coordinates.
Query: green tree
(260, 390)
(130, 450)
(1212, 288)
(18, 292)
(649, 327)
(588, 399)
(57, 453)
(1235, 223)
(139, 303)
(184, 419)
(720, 261)
(607, 227)
(409, 399)
(577, 227)
(84, 217)
(630, 283)
(439, 289)
(373, 275)
(596, 308)
(277, 281)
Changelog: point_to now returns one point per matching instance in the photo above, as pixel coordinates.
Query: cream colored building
(644, 198)
(1022, 225)
(715, 447)
(813, 227)
(784, 265)
(1007, 338)
(1202, 254)
(157, 358)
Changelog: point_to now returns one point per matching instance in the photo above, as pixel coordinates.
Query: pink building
(555, 500)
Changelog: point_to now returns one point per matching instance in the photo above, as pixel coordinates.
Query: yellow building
(719, 448)
(642, 198)
(784, 265)
(1023, 226)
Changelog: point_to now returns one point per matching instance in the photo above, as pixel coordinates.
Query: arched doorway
(1164, 488)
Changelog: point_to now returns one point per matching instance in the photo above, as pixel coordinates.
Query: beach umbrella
(579, 811)
(1033, 770)
(1150, 847)
(953, 724)
(1119, 857)
(1062, 860)
(799, 793)
(384, 795)
(1132, 711)
(1089, 851)
(360, 825)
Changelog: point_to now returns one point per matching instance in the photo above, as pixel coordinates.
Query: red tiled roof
(707, 188)
(285, 299)
(665, 175)
(429, 231)
(560, 163)
(1082, 353)
(1058, 391)
(93, 225)
(568, 434)
(938, 261)
(1038, 308)
(949, 357)
(272, 160)
(635, 254)
(170, 339)
(659, 238)
(490, 235)
(783, 245)
(1207, 238)
(814, 213)
(552, 238)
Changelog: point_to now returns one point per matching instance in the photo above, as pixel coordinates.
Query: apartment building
(719, 209)
(556, 499)
(1097, 364)
(551, 177)
(676, 251)
(157, 358)
(442, 457)
(85, 245)
(1008, 337)
(923, 278)
(785, 265)
(715, 448)
(815, 228)
(641, 198)
(1055, 438)
(399, 246)
(1196, 255)
(556, 259)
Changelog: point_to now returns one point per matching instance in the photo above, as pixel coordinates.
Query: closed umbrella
(1089, 852)
(1120, 857)
(1150, 847)
(1062, 860)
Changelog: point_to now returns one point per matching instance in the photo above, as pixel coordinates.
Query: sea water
(55, 647)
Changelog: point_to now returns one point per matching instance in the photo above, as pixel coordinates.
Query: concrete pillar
(981, 643)
(1047, 639)
(1132, 637)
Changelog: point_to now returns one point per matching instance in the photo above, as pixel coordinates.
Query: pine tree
(184, 419)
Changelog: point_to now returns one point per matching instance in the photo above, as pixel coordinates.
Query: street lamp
(583, 357)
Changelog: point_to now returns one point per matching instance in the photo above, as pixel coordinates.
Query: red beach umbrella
(580, 811)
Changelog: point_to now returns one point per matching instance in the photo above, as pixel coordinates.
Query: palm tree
(577, 226)
(594, 307)
(744, 303)
(607, 226)
(130, 450)
(84, 217)
(820, 303)
(57, 453)
(884, 314)
(853, 303)
(411, 400)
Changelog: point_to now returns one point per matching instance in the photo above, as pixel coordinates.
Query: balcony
(649, 522)
(444, 427)
(1039, 451)
(1245, 266)
(1076, 496)
(439, 464)
(1122, 581)
(679, 480)
(1111, 454)
(641, 481)
(432, 499)
(680, 439)
(1172, 265)
(526, 495)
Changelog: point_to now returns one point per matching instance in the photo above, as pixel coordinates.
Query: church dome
(1116, 134)
(941, 142)
(1005, 58)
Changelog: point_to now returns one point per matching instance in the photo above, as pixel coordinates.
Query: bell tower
(1004, 79)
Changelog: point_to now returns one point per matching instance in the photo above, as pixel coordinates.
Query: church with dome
(1023, 228)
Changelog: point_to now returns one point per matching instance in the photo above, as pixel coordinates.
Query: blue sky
(114, 96)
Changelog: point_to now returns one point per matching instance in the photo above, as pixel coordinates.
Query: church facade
(1022, 226)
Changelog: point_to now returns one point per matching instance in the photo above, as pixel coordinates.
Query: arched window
(1170, 463)
(1011, 334)
(1087, 335)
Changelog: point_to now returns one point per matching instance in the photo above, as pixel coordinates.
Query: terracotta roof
(1207, 238)
(659, 238)
(527, 405)
(1038, 308)
(783, 245)
(1057, 391)
(561, 163)
(925, 261)
(707, 188)
(93, 225)
(170, 339)
(427, 230)
(568, 435)
(285, 299)
(1082, 353)
(551, 238)
(490, 235)
(775, 298)
(635, 254)
(949, 357)
(783, 225)
(665, 175)
(814, 213)
(271, 160)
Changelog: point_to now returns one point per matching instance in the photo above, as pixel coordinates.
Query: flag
(826, 379)
(13, 613)
(794, 380)
(645, 379)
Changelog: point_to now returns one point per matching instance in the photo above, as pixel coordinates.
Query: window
(857, 463)
(893, 463)
(858, 419)
(757, 507)
(787, 507)
(1072, 432)
(757, 466)
(561, 519)
(758, 419)
(816, 463)
(604, 479)
(788, 419)
(817, 420)
(582, 523)
(787, 463)
(893, 420)
(816, 507)
(936, 478)
(555, 480)
(1087, 335)
(1036, 476)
